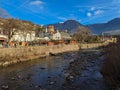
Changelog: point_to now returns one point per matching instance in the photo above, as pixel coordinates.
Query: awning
(3, 39)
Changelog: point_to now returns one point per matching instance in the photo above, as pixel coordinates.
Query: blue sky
(53, 11)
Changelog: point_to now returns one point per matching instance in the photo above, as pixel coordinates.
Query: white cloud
(92, 8)
(98, 12)
(36, 6)
(36, 3)
(89, 14)
(62, 18)
(68, 17)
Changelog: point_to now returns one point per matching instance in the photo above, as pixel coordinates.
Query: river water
(50, 74)
(41, 74)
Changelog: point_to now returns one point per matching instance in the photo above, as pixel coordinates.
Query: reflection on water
(46, 73)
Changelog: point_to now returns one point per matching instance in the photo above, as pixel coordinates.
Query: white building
(30, 36)
(23, 36)
(56, 35)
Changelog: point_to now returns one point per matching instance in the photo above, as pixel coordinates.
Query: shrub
(111, 66)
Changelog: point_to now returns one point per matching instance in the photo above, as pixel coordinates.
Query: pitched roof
(2, 38)
(65, 34)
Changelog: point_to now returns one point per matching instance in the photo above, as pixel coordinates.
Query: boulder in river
(52, 82)
(4, 87)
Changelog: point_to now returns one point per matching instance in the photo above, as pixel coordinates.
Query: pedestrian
(15, 45)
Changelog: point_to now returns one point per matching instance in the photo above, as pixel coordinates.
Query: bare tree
(8, 26)
(81, 34)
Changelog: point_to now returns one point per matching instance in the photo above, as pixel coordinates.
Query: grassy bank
(111, 67)
(14, 55)
(9, 56)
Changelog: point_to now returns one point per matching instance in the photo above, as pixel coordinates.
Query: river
(41, 74)
(50, 73)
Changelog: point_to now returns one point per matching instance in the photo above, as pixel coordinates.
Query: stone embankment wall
(92, 45)
(63, 48)
(10, 56)
(14, 55)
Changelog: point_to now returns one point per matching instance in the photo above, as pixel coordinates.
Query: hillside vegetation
(10, 24)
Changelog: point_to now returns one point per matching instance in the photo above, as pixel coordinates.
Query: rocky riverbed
(68, 71)
(84, 72)
(41, 74)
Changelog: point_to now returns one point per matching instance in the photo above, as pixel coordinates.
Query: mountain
(114, 32)
(4, 14)
(70, 25)
(7, 24)
(111, 25)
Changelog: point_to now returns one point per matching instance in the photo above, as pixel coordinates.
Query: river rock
(18, 76)
(93, 62)
(5, 63)
(40, 88)
(52, 82)
(49, 77)
(4, 87)
(72, 60)
(13, 78)
(71, 77)
(66, 74)
(42, 68)
(97, 75)
(31, 85)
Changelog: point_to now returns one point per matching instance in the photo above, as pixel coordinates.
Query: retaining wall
(92, 45)
(9, 56)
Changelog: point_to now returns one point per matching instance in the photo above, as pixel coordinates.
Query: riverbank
(111, 66)
(84, 72)
(40, 74)
(10, 56)
(55, 73)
